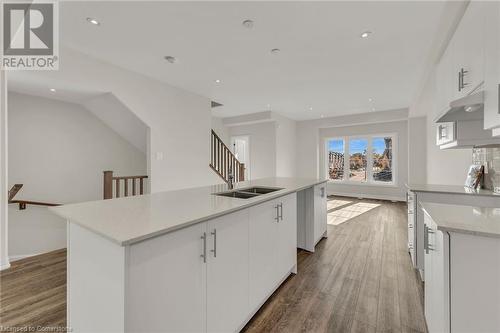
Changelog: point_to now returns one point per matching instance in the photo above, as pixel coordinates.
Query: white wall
(447, 167)
(262, 147)
(221, 130)
(310, 148)
(417, 147)
(179, 120)
(113, 113)
(286, 150)
(58, 150)
(4, 258)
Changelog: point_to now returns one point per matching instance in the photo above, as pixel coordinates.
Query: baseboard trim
(23, 256)
(368, 196)
(4, 266)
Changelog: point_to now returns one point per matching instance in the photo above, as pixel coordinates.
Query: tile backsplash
(490, 158)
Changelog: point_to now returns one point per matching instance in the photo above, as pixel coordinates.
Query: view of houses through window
(361, 159)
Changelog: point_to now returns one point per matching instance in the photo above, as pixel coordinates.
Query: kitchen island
(462, 245)
(193, 260)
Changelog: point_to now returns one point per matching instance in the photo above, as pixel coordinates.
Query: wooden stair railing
(23, 203)
(108, 185)
(222, 160)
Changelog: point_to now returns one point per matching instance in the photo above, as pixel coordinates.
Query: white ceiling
(323, 63)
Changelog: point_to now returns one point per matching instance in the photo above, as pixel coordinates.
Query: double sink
(249, 192)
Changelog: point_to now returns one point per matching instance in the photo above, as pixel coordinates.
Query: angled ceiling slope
(120, 119)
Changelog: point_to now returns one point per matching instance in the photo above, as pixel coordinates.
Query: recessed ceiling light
(52, 89)
(370, 100)
(217, 81)
(171, 59)
(366, 34)
(248, 24)
(275, 51)
(93, 21)
(322, 116)
(310, 108)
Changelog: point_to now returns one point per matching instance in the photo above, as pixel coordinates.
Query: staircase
(223, 162)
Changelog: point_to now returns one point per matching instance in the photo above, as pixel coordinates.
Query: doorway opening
(240, 146)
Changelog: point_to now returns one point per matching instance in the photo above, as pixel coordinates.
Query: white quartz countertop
(478, 221)
(132, 219)
(450, 189)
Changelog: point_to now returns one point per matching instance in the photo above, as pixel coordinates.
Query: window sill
(346, 182)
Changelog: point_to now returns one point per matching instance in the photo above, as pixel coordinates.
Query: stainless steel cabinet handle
(214, 250)
(427, 246)
(281, 211)
(322, 192)
(204, 255)
(459, 81)
(277, 218)
(464, 72)
(426, 240)
(410, 226)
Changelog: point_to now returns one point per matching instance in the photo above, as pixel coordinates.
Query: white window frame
(369, 160)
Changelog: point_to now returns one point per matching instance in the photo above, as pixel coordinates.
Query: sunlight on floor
(345, 214)
(335, 203)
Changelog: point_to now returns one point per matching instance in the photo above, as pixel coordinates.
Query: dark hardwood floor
(360, 279)
(33, 293)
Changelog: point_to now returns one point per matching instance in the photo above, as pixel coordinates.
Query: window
(357, 160)
(382, 159)
(361, 159)
(336, 159)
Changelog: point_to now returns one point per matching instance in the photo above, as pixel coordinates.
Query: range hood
(470, 107)
(467, 116)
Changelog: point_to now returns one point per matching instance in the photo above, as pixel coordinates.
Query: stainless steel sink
(237, 194)
(249, 192)
(259, 189)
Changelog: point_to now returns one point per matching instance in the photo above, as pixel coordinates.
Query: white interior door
(240, 146)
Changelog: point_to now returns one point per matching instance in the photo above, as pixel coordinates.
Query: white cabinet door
(263, 230)
(446, 82)
(166, 283)
(437, 299)
(286, 252)
(320, 208)
(445, 133)
(227, 272)
(492, 64)
(469, 47)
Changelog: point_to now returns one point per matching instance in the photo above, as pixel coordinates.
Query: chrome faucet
(231, 179)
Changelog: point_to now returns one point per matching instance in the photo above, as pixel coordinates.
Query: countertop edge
(131, 241)
(459, 229)
(468, 232)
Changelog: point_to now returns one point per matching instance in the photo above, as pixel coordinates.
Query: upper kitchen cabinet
(468, 53)
(492, 65)
(460, 70)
